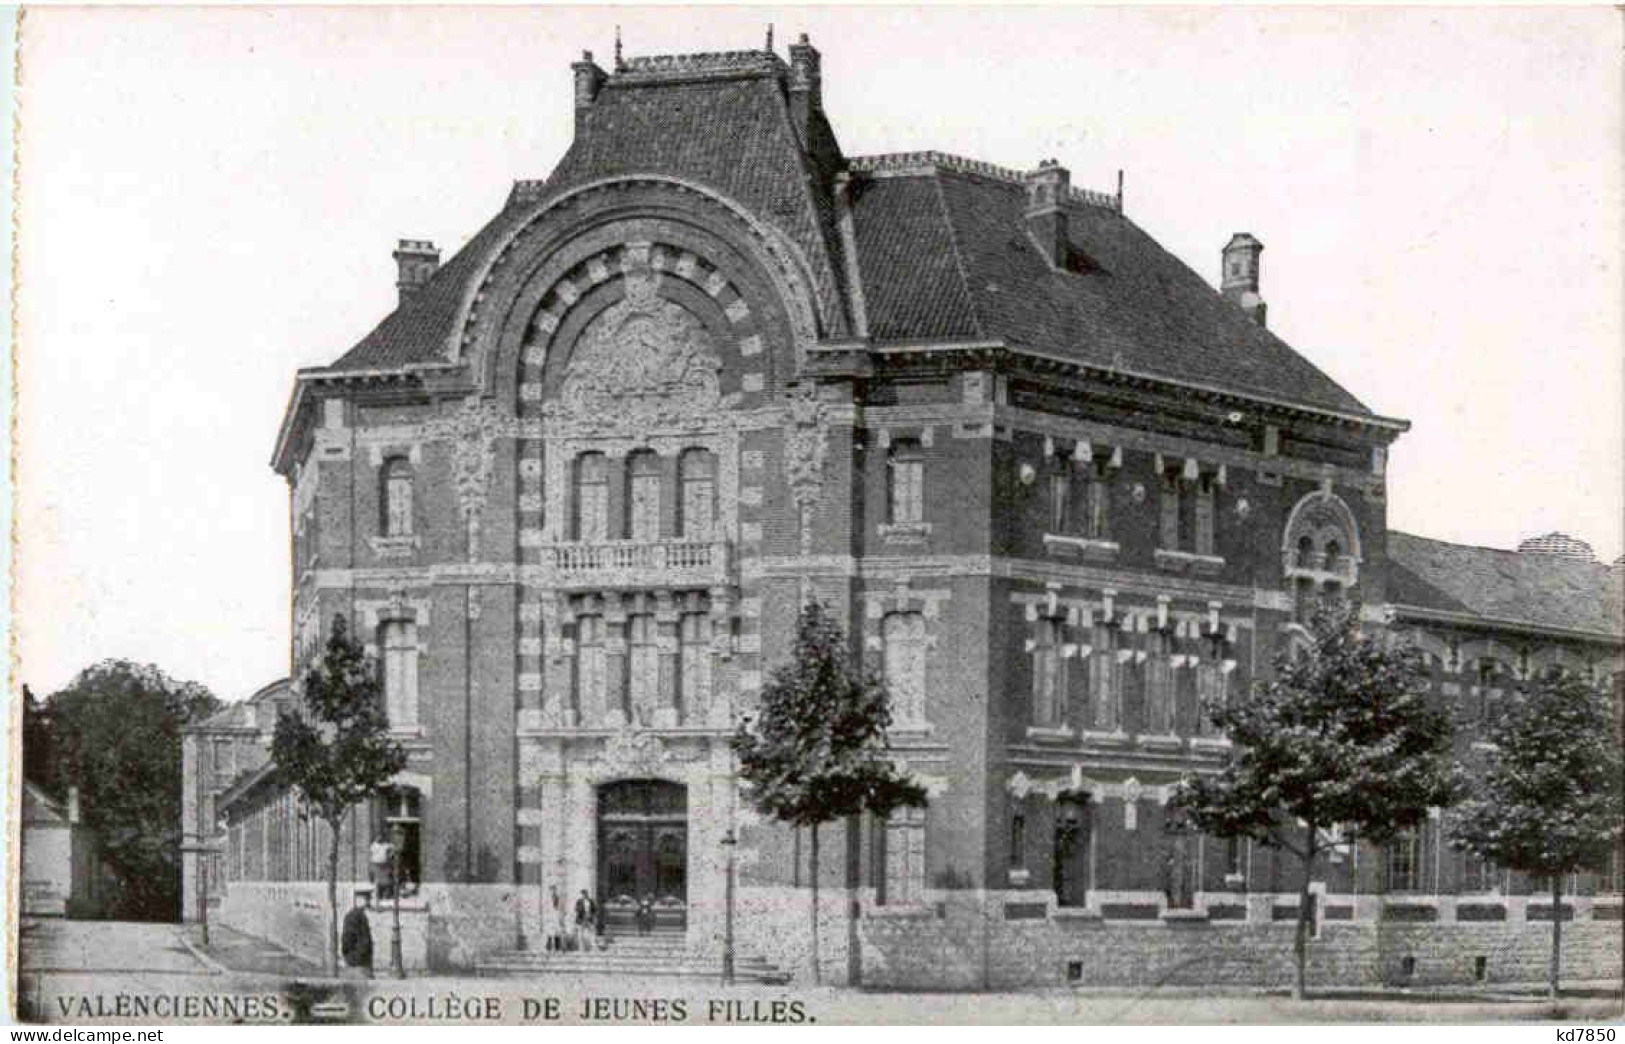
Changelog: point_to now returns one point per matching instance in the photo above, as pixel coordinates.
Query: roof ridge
(1522, 556)
(928, 160)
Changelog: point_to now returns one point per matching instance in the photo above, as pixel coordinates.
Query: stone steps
(632, 957)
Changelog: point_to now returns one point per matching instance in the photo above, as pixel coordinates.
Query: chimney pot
(1239, 278)
(1048, 188)
(415, 262)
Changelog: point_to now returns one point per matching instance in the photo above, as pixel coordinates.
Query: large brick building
(1059, 489)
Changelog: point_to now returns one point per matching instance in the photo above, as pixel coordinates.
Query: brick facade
(672, 393)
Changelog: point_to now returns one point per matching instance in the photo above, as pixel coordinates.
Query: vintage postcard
(788, 516)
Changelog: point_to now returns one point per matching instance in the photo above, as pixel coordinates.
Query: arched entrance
(643, 853)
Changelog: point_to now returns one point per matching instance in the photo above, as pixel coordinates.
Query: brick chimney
(1048, 188)
(1239, 280)
(806, 84)
(589, 81)
(415, 261)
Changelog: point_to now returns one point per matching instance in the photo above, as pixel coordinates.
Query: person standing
(586, 912)
(356, 939)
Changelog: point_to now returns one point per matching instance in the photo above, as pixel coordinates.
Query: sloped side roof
(967, 267)
(1540, 590)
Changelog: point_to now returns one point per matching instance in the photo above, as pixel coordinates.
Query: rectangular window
(903, 666)
(644, 668)
(592, 497)
(1159, 684)
(1478, 875)
(1104, 689)
(1049, 674)
(1018, 841)
(907, 482)
(1206, 494)
(1096, 526)
(1169, 529)
(1060, 499)
(905, 856)
(694, 684)
(400, 673)
(1211, 687)
(643, 497)
(1232, 857)
(590, 672)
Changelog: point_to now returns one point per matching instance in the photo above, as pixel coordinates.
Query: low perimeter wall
(444, 928)
(966, 941)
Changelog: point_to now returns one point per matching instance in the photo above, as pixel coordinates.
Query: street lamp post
(729, 842)
(397, 967)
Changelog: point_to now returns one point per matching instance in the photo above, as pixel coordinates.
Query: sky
(209, 198)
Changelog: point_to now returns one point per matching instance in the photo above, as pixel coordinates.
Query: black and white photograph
(817, 515)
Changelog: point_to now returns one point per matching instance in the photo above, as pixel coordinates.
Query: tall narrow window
(400, 644)
(903, 639)
(1206, 494)
(1211, 686)
(1049, 674)
(1169, 527)
(1232, 857)
(1179, 868)
(1018, 841)
(1104, 689)
(1060, 496)
(590, 674)
(1159, 684)
(643, 496)
(905, 856)
(592, 497)
(694, 634)
(1098, 506)
(397, 497)
(699, 501)
(644, 668)
(907, 481)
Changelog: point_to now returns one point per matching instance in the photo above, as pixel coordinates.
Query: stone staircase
(661, 954)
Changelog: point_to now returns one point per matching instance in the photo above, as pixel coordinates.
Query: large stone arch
(1317, 521)
(760, 264)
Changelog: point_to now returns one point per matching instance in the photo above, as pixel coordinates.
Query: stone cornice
(1402, 612)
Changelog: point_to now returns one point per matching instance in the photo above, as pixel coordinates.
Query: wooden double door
(643, 854)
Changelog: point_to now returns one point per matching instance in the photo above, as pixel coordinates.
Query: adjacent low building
(572, 490)
(62, 872)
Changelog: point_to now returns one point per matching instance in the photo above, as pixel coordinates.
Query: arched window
(592, 497)
(397, 498)
(399, 640)
(903, 638)
(698, 505)
(643, 496)
(907, 492)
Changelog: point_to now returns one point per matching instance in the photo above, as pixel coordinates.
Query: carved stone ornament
(644, 362)
(473, 431)
(632, 753)
(806, 445)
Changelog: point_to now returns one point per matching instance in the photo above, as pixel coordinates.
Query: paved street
(76, 961)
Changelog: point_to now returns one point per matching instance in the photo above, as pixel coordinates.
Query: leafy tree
(39, 750)
(115, 734)
(1550, 795)
(1341, 738)
(337, 753)
(816, 752)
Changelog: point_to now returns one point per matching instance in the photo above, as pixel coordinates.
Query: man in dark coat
(356, 941)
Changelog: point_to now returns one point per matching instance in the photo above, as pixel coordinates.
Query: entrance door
(643, 853)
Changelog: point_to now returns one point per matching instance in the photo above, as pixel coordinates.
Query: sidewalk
(239, 953)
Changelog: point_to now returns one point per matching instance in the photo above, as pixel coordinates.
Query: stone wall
(963, 940)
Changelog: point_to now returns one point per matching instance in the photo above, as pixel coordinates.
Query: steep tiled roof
(947, 253)
(943, 251)
(1539, 590)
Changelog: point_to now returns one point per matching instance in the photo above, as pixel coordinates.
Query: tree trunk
(333, 900)
(817, 974)
(1557, 935)
(1300, 936)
